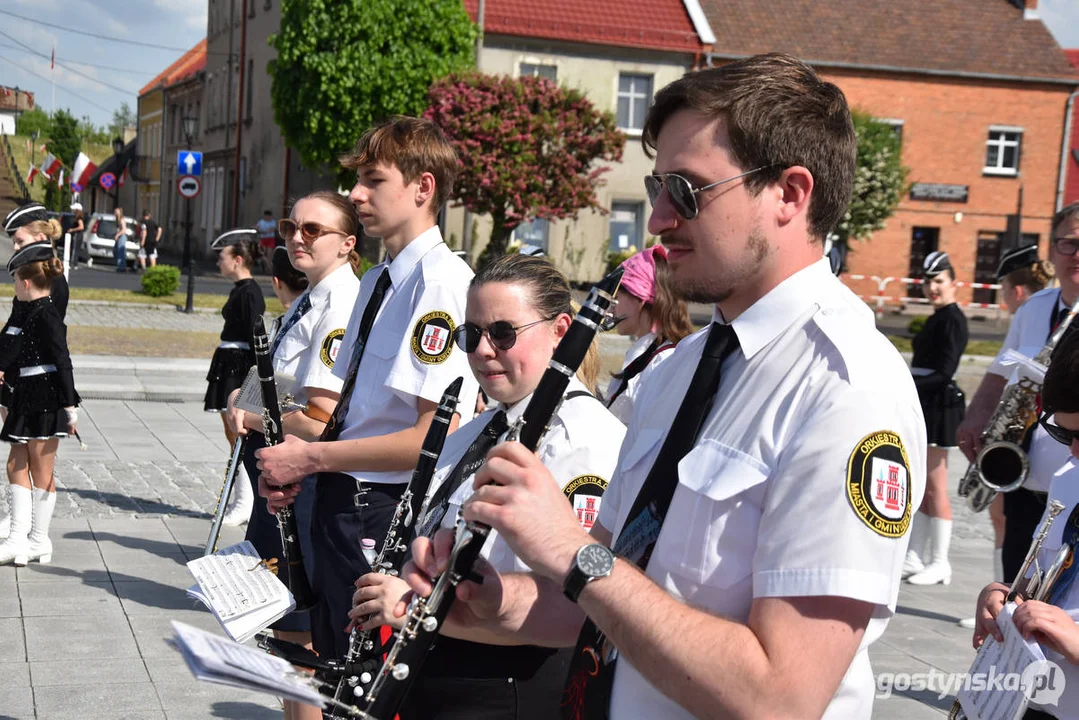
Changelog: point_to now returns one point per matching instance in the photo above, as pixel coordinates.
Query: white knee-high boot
(939, 570)
(40, 544)
(998, 565)
(238, 510)
(16, 548)
(5, 522)
(919, 527)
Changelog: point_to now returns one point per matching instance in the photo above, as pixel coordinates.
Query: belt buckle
(360, 492)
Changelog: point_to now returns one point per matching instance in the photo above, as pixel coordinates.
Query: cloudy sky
(97, 70)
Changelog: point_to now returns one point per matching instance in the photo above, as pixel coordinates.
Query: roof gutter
(913, 70)
(1062, 173)
(700, 22)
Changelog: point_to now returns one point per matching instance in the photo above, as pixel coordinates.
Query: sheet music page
(214, 659)
(290, 394)
(994, 689)
(236, 583)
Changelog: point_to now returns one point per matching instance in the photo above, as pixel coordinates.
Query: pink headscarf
(639, 278)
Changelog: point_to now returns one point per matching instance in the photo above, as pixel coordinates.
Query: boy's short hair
(412, 145)
(1060, 392)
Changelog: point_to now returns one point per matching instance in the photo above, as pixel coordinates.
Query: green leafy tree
(31, 121)
(528, 149)
(65, 143)
(880, 180)
(122, 117)
(343, 65)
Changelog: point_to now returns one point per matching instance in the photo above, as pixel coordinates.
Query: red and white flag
(83, 171)
(43, 148)
(123, 178)
(31, 175)
(52, 63)
(60, 180)
(50, 165)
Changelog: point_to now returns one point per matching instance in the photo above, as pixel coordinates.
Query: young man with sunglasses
(1052, 624)
(749, 546)
(1031, 327)
(396, 359)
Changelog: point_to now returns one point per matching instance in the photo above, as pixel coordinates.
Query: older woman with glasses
(518, 309)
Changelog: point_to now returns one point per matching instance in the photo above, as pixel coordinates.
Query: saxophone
(1002, 465)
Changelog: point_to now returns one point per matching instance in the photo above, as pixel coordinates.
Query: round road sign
(107, 180)
(188, 186)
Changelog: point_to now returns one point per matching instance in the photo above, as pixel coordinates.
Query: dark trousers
(1037, 715)
(338, 527)
(1023, 510)
(461, 680)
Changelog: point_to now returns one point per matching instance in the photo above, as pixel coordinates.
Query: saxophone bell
(1003, 466)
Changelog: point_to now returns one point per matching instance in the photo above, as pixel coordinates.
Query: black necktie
(588, 689)
(334, 427)
(468, 465)
(301, 310)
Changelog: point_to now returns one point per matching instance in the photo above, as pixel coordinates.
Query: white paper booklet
(241, 592)
(214, 659)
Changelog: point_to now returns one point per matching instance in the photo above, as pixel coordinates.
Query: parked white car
(99, 241)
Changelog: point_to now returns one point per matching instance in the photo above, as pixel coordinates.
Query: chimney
(1030, 10)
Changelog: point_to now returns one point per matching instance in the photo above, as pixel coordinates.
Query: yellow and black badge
(432, 338)
(585, 492)
(878, 483)
(330, 347)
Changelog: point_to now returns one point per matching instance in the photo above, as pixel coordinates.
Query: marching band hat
(24, 215)
(232, 237)
(33, 252)
(936, 263)
(1017, 259)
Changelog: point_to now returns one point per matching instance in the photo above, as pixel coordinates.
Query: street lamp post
(191, 128)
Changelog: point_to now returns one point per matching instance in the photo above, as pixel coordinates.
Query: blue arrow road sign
(189, 162)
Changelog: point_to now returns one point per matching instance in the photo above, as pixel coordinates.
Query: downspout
(1062, 173)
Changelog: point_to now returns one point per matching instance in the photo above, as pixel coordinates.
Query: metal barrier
(16, 176)
(881, 298)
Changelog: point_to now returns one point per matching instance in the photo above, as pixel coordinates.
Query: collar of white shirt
(402, 265)
(514, 413)
(319, 292)
(765, 319)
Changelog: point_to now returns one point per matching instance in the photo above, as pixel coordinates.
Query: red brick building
(1071, 162)
(976, 88)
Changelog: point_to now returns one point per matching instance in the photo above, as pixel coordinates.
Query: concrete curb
(126, 305)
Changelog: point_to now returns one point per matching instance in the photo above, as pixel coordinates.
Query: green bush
(616, 258)
(916, 324)
(160, 280)
(365, 265)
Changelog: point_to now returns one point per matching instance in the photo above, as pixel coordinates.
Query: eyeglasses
(309, 231)
(1066, 246)
(1060, 434)
(683, 194)
(501, 333)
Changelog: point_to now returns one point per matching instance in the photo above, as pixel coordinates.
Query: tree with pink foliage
(528, 149)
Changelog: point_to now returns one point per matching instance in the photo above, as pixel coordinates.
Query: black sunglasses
(309, 231)
(683, 194)
(1060, 434)
(502, 334)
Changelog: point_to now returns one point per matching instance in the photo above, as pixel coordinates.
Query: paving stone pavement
(84, 637)
(135, 316)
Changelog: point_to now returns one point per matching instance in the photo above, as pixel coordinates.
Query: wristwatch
(592, 561)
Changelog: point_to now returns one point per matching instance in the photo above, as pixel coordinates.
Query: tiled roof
(189, 63)
(969, 36)
(1073, 57)
(646, 24)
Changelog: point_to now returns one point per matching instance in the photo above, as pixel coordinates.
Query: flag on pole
(123, 177)
(31, 175)
(43, 148)
(83, 171)
(52, 63)
(50, 165)
(60, 180)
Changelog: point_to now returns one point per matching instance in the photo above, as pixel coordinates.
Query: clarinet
(426, 615)
(295, 578)
(362, 659)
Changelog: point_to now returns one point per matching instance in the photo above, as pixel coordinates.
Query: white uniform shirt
(409, 354)
(1028, 334)
(622, 407)
(1065, 488)
(580, 449)
(310, 348)
(778, 495)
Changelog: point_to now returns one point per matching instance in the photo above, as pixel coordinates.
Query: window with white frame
(1002, 150)
(627, 226)
(549, 72)
(634, 97)
(895, 125)
(534, 232)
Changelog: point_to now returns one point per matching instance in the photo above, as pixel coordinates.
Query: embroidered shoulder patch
(585, 492)
(878, 483)
(431, 338)
(330, 347)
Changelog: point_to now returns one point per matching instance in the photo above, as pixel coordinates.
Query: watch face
(595, 560)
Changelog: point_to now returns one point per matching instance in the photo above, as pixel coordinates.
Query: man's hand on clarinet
(282, 468)
(479, 602)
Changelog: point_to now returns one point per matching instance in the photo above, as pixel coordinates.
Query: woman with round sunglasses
(938, 348)
(648, 311)
(320, 239)
(518, 309)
